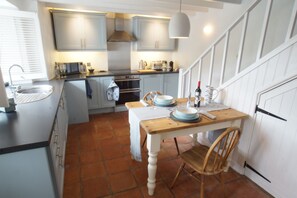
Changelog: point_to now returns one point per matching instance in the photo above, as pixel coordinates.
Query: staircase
(255, 37)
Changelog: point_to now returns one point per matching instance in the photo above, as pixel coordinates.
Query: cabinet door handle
(81, 44)
(85, 44)
(61, 163)
(56, 138)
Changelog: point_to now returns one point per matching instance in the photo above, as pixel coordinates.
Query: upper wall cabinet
(79, 31)
(152, 34)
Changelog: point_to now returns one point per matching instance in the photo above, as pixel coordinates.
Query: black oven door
(128, 95)
(128, 84)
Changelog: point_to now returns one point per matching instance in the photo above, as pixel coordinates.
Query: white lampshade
(179, 26)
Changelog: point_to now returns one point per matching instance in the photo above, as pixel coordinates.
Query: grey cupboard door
(93, 103)
(171, 85)
(149, 83)
(77, 105)
(273, 145)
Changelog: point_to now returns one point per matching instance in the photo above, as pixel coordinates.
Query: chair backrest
(150, 95)
(215, 160)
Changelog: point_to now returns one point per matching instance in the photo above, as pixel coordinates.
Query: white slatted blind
(20, 43)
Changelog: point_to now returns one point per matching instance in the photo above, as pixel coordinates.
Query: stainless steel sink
(38, 89)
(33, 93)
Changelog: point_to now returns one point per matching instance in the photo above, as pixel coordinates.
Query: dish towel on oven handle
(113, 91)
(136, 115)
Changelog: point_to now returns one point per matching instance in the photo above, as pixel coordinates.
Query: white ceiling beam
(201, 3)
(127, 6)
(118, 9)
(227, 1)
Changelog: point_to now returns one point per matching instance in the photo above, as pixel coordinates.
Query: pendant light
(179, 25)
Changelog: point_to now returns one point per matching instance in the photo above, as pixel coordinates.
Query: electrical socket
(88, 64)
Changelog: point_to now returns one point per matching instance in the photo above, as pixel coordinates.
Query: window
(20, 43)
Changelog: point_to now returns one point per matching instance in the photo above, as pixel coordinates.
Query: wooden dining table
(162, 128)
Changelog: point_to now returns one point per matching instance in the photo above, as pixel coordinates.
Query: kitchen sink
(32, 93)
(37, 89)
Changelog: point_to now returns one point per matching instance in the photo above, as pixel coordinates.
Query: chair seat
(195, 159)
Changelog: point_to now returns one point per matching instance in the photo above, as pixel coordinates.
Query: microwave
(71, 67)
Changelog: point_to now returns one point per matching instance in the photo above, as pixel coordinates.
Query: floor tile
(117, 165)
(113, 152)
(72, 160)
(122, 181)
(92, 170)
(71, 175)
(133, 193)
(96, 187)
(72, 190)
(89, 157)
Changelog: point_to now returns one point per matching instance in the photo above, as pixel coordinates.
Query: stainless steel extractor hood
(119, 35)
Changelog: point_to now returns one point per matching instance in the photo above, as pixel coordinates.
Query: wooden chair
(210, 161)
(148, 97)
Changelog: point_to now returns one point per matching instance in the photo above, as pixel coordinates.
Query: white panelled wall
(242, 93)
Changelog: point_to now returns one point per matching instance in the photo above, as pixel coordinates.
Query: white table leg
(152, 169)
(153, 146)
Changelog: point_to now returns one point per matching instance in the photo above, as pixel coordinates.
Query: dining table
(159, 127)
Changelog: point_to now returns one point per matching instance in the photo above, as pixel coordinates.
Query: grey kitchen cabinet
(79, 31)
(37, 172)
(58, 144)
(77, 104)
(171, 84)
(152, 34)
(99, 87)
(164, 83)
(153, 82)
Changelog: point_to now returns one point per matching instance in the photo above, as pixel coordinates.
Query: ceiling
(141, 7)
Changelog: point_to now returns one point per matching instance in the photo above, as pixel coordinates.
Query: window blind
(20, 43)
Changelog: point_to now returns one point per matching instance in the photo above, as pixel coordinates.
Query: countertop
(113, 73)
(30, 126)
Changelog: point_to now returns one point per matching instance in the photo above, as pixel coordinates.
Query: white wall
(190, 49)
(50, 54)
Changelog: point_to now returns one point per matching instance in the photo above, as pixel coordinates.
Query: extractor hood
(119, 35)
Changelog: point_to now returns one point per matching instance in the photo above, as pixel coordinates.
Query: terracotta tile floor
(98, 164)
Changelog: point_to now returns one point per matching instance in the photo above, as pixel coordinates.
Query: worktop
(30, 126)
(113, 73)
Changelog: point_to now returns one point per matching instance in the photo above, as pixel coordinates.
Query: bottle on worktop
(197, 96)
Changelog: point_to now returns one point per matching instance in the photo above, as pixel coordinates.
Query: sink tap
(9, 71)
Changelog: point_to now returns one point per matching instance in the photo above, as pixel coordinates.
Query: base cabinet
(171, 85)
(77, 105)
(37, 172)
(164, 83)
(99, 87)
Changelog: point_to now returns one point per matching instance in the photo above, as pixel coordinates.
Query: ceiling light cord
(180, 3)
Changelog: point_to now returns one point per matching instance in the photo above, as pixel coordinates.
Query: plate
(173, 103)
(197, 119)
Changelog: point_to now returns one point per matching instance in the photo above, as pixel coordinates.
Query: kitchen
(183, 56)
